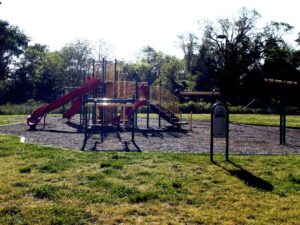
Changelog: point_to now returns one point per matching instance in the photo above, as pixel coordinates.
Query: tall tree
(29, 72)
(12, 44)
(77, 58)
(189, 45)
(102, 49)
(280, 61)
(231, 49)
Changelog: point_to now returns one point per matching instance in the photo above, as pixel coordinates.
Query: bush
(195, 107)
(24, 109)
(46, 192)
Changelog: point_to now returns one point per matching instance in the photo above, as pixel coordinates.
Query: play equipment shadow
(103, 137)
(59, 131)
(247, 177)
(76, 126)
(160, 133)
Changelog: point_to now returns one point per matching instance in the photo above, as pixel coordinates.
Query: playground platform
(244, 139)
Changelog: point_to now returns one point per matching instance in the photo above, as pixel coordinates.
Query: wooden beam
(289, 82)
(198, 93)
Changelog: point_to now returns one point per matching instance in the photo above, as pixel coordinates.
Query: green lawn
(262, 119)
(43, 185)
(9, 119)
(257, 119)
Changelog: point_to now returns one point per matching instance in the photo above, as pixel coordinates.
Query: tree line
(233, 55)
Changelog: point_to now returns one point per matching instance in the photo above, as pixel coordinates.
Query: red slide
(74, 108)
(38, 114)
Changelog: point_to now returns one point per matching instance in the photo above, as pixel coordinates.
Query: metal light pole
(224, 37)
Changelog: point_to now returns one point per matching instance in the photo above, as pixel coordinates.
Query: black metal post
(211, 137)
(227, 136)
(102, 123)
(94, 116)
(159, 114)
(148, 104)
(136, 98)
(284, 128)
(94, 68)
(85, 118)
(133, 126)
(116, 72)
(280, 127)
(94, 74)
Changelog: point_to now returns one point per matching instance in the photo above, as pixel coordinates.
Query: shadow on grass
(247, 177)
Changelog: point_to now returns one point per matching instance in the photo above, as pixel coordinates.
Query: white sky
(129, 25)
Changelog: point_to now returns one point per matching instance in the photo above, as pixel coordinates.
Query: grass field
(9, 119)
(256, 119)
(42, 185)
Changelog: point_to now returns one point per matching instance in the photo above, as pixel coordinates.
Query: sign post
(219, 127)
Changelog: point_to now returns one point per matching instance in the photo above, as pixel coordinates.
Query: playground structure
(105, 100)
(283, 84)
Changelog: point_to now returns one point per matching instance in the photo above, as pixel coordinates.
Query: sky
(130, 25)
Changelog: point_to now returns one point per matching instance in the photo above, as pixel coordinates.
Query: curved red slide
(74, 108)
(38, 114)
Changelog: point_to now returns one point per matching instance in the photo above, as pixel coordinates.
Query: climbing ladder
(165, 114)
(165, 104)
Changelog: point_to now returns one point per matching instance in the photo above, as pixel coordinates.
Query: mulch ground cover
(244, 139)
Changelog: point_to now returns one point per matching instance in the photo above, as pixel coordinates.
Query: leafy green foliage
(235, 56)
(12, 44)
(46, 192)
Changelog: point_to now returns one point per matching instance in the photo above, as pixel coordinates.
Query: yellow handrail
(164, 98)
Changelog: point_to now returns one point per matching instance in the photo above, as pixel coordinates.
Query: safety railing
(125, 89)
(110, 72)
(165, 99)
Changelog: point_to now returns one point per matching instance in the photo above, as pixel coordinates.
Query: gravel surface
(244, 139)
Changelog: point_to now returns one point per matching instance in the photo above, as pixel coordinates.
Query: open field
(42, 185)
(9, 119)
(255, 119)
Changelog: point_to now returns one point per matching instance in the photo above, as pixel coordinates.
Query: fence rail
(125, 89)
(164, 98)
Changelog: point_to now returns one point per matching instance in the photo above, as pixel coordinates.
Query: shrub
(26, 169)
(25, 108)
(143, 197)
(46, 192)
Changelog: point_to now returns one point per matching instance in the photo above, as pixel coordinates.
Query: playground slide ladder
(165, 114)
(165, 104)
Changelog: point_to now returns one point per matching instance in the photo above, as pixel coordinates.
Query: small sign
(220, 122)
(219, 127)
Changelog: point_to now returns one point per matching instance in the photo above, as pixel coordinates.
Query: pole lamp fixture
(222, 36)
